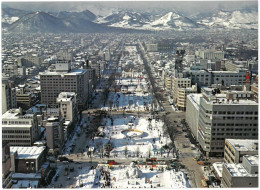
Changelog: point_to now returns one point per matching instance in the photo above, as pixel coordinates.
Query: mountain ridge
(15, 20)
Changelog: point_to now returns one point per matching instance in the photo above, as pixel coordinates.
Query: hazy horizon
(187, 7)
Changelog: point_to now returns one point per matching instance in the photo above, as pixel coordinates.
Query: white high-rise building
(68, 105)
(18, 129)
(224, 116)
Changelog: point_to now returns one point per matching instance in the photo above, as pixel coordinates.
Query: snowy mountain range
(233, 20)
(86, 21)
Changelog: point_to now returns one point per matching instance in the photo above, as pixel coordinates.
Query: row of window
(16, 131)
(15, 122)
(28, 165)
(234, 124)
(234, 118)
(232, 129)
(233, 112)
(227, 155)
(217, 148)
(16, 136)
(19, 141)
(241, 76)
(234, 134)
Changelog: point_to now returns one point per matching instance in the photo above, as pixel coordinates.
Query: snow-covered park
(131, 176)
(133, 137)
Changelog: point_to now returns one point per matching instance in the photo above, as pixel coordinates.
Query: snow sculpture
(132, 172)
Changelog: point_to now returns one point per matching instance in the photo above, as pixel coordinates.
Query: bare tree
(126, 151)
(149, 152)
(137, 151)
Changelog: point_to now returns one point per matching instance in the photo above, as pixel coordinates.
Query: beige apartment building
(179, 83)
(182, 96)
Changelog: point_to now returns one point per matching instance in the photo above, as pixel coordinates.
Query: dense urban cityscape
(130, 99)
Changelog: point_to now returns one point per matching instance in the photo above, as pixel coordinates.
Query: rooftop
(195, 99)
(224, 72)
(66, 96)
(71, 72)
(221, 99)
(218, 166)
(238, 170)
(11, 114)
(243, 144)
(32, 152)
(252, 159)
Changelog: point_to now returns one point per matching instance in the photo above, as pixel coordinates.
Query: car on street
(112, 162)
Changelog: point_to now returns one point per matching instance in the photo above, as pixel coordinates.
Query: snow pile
(132, 172)
(87, 178)
(156, 177)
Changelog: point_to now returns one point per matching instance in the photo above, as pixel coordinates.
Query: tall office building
(8, 97)
(192, 113)
(64, 79)
(221, 116)
(19, 129)
(55, 134)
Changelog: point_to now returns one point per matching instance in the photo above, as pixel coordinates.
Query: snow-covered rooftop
(11, 114)
(32, 152)
(221, 99)
(237, 170)
(252, 159)
(195, 99)
(71, 72)
(243, 144)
